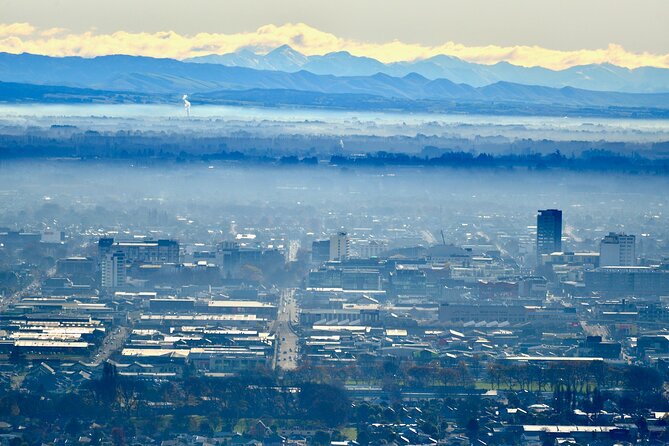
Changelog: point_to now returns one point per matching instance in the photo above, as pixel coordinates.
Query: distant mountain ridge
(598, 77)
(150, 76)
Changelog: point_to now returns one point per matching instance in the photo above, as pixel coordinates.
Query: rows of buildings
(161, 309)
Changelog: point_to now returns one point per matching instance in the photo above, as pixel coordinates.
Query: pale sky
(554, 33)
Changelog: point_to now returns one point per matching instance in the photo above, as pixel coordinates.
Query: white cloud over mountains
(24, 37)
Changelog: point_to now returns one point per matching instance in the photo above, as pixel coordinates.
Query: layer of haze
(214, 120)
(201, 202)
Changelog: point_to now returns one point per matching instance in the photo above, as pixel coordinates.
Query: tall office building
(549, 231)
(112, 270)
(320, 251)
(339, 246)
(617, 250)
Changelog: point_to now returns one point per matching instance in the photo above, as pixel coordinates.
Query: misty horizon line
(591, 161)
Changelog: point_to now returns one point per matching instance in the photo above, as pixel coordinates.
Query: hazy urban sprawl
(272, 245)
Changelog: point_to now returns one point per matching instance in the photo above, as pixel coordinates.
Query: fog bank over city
(213, 120)
(219, 200)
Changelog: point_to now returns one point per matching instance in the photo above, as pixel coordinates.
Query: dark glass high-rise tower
(549, 231)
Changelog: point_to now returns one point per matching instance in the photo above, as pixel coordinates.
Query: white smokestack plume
(186, 104)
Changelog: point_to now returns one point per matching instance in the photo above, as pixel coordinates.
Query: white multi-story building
(366, 249)
(112, 270)
(339, 246)
(617, 250)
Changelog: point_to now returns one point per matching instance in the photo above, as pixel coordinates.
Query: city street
(286, 353)
(112, 343)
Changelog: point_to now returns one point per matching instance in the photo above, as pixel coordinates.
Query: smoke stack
(186, 105)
